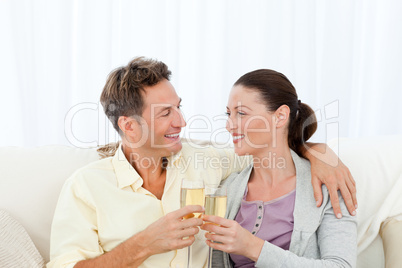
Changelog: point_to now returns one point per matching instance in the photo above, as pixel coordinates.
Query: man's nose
(178, 119)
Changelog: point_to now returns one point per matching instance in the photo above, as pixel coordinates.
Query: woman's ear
(282, 116)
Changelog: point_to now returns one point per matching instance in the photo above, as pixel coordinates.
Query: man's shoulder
(193, 146)
(102, 164)
(92, 170)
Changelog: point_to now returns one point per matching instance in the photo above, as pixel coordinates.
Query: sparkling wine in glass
(215, 204)
(192, 193)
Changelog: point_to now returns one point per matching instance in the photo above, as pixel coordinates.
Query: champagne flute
(215, 204)
(192, 193)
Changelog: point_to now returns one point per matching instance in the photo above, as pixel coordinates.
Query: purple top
(271, 221)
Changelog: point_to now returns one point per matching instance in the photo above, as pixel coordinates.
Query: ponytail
(302, 126)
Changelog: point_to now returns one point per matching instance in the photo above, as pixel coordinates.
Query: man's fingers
(188, 232)
(191, 223)
(352, 188)
(317, 190)
(351, 177)
(333, 194)
(182, 243)
(347, 197)
(183, 212)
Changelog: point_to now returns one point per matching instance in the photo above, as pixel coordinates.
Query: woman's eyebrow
(241, 106)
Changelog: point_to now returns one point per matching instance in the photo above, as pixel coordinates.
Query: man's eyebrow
(167, 107)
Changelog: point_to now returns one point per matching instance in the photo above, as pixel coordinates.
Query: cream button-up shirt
(103, 204)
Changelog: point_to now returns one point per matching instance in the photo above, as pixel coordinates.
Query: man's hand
(232, 237)
(327, 168)
(168, 233)
(173, 231)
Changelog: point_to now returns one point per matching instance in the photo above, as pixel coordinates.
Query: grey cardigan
(319, 239)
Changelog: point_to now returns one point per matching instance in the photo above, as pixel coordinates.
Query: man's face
(162, 120)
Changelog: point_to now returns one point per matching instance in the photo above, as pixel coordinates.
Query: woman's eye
(241, 113)
(179, 107)
(227, 113)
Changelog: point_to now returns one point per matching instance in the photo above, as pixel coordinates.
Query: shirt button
(257, 225)
(259, 217)
(260, 207)
(253, 232)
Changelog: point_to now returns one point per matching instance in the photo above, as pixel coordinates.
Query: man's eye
(167, 113)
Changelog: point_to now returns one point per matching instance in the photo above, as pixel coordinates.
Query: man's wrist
(137, 247)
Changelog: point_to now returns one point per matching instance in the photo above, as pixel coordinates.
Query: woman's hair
(276, 90)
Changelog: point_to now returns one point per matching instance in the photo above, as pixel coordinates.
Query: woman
(272, 218)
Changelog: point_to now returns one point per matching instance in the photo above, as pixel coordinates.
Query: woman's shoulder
(237, 177)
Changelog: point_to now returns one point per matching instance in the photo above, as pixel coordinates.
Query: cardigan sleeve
(336, 241)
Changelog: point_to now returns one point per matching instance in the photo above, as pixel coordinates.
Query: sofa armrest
(391, 233)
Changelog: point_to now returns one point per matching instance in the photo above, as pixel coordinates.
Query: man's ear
(126, 125)
(282, 116)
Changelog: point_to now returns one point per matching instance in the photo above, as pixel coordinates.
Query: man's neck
(150, 168)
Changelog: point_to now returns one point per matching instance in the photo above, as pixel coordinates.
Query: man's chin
(176, 147)
(172, 147)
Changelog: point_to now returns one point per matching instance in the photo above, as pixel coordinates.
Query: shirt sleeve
(336, 241)
(74, 235)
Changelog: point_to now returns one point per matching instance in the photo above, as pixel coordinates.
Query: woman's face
(249, 122)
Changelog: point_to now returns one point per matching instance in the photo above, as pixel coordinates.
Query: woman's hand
(232, 237)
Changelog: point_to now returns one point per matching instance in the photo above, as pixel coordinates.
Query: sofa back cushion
(376, 165)
(30, 183)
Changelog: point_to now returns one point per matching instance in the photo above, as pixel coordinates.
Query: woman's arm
(336, 242)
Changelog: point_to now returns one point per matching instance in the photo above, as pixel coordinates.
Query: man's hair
(124, 88)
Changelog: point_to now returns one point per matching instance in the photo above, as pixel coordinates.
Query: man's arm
(130, 253)
(164, 235)
(327, 168)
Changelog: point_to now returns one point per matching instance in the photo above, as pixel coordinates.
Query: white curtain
(344, 58)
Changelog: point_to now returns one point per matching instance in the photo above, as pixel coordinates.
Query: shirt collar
(174, 160)
(126, 173)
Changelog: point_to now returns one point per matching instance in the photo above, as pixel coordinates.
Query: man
(124, 211)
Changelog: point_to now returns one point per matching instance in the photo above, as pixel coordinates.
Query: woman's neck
(273, 165)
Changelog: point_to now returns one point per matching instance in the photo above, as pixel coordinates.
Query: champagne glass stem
(189, 257)
(209, 257)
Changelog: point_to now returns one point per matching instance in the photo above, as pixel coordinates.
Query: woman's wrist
(254, 248)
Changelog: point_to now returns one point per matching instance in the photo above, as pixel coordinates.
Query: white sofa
(31, 179)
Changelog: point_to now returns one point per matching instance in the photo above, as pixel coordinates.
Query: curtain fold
(343, 57)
